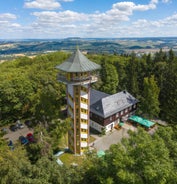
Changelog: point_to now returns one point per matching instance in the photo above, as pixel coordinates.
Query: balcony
(84, 144)
(77, 80)
(84, 126)
(83, 105)
(84, 135)
(84, 116)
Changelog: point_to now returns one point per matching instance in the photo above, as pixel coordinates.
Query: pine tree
(109, 77)
(150, 102)
(132, 75)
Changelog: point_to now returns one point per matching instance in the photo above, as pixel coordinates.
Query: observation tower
(78, 72)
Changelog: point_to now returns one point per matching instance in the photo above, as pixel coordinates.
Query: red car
(30, 137)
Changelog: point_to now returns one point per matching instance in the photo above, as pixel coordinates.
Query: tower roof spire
(78, 63)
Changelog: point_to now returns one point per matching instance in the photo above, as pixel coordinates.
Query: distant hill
(91, 45)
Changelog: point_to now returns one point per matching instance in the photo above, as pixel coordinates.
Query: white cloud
(64, 17)
(70, 23)
(6, 20)
(129, 7)
(154, 1)
(166, 22)
(166, 1)
(162, 27)
(114, 22)
(170, 21)
(8, 31)
(7, 16)
(121, 11)
(8, 26)
(43, 4)
(67, 0)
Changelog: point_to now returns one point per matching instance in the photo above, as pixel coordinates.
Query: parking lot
(14, 136)
(114, 137)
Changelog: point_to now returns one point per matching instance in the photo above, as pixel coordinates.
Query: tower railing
(91, 78)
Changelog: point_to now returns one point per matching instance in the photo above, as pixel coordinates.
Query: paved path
(114, 137)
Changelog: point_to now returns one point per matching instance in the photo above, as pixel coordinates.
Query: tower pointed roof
(78, 63)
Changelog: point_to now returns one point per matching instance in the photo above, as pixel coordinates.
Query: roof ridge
(78, 51)
(78, 62)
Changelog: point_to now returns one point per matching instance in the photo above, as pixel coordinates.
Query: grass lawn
(68, 159)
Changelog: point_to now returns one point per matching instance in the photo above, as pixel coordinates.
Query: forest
(29, 89)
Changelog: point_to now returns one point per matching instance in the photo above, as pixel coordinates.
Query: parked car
(20, 125)
(30, 137)
(4, 130)
(28, 123)
(23, 140)
(13, 128)
(11, 145)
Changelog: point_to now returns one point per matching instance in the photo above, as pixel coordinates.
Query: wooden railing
(90, 78)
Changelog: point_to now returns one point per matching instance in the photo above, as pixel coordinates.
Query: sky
(55, 19)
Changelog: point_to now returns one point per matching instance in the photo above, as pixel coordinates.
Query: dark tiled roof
(96, 96)
(112, 104)
(78, 63)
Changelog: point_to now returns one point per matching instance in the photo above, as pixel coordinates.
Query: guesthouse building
(107, 111)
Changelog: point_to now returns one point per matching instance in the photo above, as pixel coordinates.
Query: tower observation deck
(78, 72)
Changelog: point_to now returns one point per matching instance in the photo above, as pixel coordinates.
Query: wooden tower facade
(78, 73)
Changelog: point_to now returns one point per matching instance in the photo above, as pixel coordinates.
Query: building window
(83, 130)
(110, 118)
(83, 120)
(126, 110)
(121, 113)
(84, 100)
(117, 115)
(84, 111)
(84, 139)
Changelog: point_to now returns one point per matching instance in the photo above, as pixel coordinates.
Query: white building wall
(84, 95)
(84, 106)
(84, 136)
(84, 126)
(110, 126)
(84, 144)
(84, 116)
